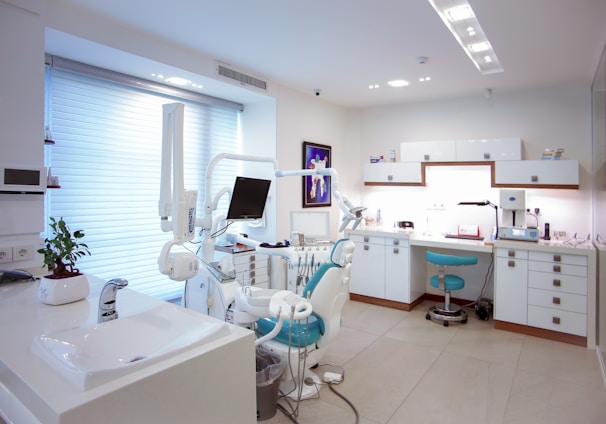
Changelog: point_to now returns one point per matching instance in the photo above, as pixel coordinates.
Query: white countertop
(486, 245)
(40, 389)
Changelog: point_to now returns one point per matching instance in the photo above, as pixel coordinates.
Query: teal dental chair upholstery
(447, 312)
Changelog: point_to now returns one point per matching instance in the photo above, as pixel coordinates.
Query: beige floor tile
(562, 361)
(380, 377)
(414, 328)
(371, 318)
(537, 398)
(347, 345)
(458, 388)
(479, 340)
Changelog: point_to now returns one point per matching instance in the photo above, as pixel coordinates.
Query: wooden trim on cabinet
(541, 332)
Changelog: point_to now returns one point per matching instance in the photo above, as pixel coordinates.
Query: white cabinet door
(428, 151)
(397, 270)
(511, 286)
(399, 172)
(489, 149)
(530, 173)
(368, 267)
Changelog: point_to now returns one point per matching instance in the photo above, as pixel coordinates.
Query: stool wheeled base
(447, 314)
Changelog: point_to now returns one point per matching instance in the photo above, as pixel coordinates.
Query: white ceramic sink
(95, 355)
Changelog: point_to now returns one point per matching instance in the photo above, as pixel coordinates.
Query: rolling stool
(447, 282)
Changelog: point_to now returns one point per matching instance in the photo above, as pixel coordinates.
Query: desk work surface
(417, 239)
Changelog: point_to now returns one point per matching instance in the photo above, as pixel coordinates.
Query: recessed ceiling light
(398, 83)
(460, 13)
(424, 79)
(466, 29)
(373, 86)
(178, 81)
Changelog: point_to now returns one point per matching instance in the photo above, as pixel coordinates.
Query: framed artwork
(316, 188)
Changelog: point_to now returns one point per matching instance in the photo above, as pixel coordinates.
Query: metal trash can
(269, 373)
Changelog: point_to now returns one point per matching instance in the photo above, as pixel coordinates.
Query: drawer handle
(253, 265)
(557, 283)
(556, 300)
(396, 242)
(557, 268)
(486, 155)
(426, 157)
(511, 253)
(534, 179)
(366, 247)
(366, 239)
(252, 282)
(252, 274)
(555, 320)
(396, 250)
(557, 258)
(252, 258)
(390, 178)
(511, 264)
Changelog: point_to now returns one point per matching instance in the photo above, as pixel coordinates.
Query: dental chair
(308, 338)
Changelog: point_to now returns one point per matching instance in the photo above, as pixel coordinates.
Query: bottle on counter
(379, 220)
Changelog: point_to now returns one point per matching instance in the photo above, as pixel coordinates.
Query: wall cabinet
(537, 173)
(381, 268)
(428, 151)
(399, 173)
(494, 149)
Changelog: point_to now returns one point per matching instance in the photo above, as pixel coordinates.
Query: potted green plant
(61, 251)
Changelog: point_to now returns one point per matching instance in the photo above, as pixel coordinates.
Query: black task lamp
(487, 203)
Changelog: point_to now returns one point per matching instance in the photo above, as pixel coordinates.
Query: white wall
(549, 117)
(21, 119)
(301, 118)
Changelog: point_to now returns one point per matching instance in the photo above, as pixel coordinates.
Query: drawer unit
(511, 285)
(562, 321)
(252, 268)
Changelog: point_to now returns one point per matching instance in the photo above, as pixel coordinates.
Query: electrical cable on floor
(288, 415)
(330, 386)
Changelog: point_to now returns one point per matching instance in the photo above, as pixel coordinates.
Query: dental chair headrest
(342, 252)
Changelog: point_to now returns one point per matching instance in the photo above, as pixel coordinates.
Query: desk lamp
(485, 203)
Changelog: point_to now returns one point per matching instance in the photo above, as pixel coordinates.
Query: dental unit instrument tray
(215, 269)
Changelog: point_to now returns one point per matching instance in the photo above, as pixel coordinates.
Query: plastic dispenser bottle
(379, 218)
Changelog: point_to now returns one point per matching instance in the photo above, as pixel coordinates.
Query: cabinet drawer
(396, 242)
(562, 321)
(558, 283)
(364, 239)
(512, 253)
(558, 258)
(557, 269)
(558, 301)
(256, 259)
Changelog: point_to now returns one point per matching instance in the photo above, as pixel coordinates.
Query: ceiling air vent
(241, 78)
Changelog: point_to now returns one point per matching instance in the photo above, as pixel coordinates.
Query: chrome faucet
(107, 300)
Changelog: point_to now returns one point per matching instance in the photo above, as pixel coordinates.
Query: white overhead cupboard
(503, 155)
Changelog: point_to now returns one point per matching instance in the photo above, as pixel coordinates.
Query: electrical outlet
(6, 254)
(436, 206)
(23, 252)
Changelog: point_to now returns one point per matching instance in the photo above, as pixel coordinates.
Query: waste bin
(269, 373)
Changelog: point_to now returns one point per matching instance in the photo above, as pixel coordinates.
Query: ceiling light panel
(461, 21)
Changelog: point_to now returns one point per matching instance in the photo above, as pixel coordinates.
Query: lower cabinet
(542, 289)
(381, 268)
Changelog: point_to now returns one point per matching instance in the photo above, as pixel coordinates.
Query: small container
(392, 155)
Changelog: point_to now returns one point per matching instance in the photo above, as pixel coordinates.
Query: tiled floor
(401, 368)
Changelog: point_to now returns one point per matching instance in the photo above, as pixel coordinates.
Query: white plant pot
(58, 291)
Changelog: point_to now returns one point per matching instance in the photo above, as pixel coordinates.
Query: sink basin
(91, 356)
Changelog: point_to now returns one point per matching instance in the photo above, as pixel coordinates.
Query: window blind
(107, 155)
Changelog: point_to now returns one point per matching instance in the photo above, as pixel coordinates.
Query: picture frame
(316, 188)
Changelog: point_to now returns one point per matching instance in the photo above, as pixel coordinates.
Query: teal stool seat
(445, 311)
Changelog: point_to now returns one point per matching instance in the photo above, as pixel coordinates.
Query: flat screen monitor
(248, 199)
